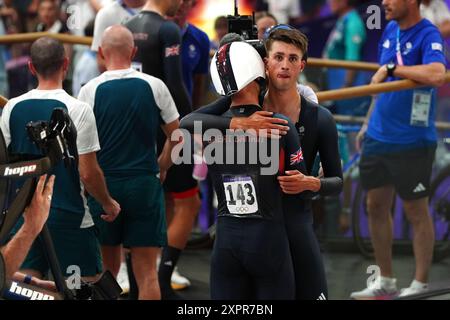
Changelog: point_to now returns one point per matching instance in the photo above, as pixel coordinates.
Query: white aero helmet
(234, 66)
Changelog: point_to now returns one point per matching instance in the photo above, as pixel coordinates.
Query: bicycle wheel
(439, 205)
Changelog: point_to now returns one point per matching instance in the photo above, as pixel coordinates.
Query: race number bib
(136, 66)
(421, 108)
(240, 194)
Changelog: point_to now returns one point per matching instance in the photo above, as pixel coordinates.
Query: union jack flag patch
(173, 51)
(296, 157)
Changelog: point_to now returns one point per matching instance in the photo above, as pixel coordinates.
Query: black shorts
(179, 182)
(409, 171)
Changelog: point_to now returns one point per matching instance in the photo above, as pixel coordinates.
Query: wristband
(27, 279)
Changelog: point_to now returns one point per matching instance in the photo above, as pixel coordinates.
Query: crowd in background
(346, 40)
(77, 17)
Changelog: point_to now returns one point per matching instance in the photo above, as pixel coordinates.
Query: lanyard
(398, 49)
(130, 11)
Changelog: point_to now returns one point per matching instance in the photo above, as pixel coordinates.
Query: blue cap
(276, 27)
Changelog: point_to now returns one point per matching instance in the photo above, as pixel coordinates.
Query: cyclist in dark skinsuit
(315, 127)
(317, 132)
(158, 41)
(159, 44)
(251, 257)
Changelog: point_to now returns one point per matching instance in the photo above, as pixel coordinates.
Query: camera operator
(35, 215)
(70, 223)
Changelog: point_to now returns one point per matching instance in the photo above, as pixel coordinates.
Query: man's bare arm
(432, 74)
(165, 159)
(92, 177)
(35, 216)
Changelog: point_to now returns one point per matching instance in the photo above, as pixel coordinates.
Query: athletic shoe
(416, 287)
(122, 278)
(178, 282)
(381, 289)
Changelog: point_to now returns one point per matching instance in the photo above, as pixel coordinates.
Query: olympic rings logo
(243, 209)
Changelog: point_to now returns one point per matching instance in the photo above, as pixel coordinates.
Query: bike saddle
(57, 141)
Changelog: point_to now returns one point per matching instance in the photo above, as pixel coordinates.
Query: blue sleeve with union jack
(291, 153)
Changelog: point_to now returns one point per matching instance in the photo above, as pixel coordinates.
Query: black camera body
(242, 25)
(245, 26)
(56, 138)
(105, 288)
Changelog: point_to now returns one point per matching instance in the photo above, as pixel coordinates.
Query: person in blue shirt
(400, 141)
(194, 54)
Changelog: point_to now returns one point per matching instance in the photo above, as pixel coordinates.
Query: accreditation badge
(421, 106)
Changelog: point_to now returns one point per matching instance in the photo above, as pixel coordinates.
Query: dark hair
(294, 37)
(419, 2)
(263, 14)
(221, 22)
(229, 38)
(47, 56)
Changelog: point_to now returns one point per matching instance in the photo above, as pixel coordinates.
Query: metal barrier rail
(360, 120)
(367, 90)
(32, 36)
(353, 65)
(340, 94)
